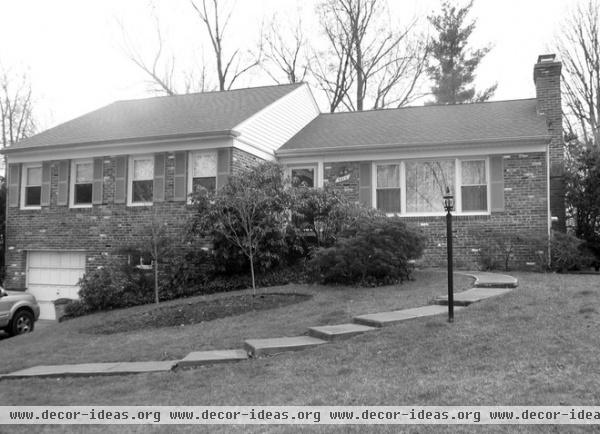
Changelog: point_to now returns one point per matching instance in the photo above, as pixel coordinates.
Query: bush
(319, 216)
(74, 308)
(373, 251)
(569, 253)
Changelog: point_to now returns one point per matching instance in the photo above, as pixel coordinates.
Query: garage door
(54, 275)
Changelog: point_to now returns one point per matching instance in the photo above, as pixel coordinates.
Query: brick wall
(101, 231)
(546, 75)
(242, 160)
(525, 212)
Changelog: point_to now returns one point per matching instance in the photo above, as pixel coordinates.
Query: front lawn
(538, 345)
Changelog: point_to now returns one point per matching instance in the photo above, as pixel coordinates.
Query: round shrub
(374, 251)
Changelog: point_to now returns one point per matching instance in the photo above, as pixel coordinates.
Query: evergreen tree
(454, 63)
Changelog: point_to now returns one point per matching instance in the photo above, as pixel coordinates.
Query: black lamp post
(449, 206)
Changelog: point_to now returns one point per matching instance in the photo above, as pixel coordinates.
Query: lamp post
(449, 206)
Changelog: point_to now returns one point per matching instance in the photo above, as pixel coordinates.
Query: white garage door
(54, 275)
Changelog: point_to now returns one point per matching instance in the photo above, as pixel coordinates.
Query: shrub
(319, 216)
(569, 253)
(373, 251)
(497, 249)
(74, 308)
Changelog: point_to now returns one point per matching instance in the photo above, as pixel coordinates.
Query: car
(18, 312)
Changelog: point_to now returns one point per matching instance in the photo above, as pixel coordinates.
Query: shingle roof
(433, 124)
(161, 116)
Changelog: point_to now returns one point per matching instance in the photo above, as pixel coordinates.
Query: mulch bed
(196, 312)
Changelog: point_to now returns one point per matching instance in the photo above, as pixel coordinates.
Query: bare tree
(579, 48)
(285, 56)
(160, 68)
(385, 65)
(229, 66)
(16, 112)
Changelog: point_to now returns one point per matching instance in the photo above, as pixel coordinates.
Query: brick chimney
(546, 76)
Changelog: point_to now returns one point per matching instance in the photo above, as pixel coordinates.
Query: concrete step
(93, 369)
(339, 331)
(485, 279)
(200, 358)
(261, 347)
(472, 295)
(389, 318)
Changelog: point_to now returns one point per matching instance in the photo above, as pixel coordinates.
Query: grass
(186, 312)
(538, 345)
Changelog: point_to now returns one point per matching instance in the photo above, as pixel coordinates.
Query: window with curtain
(143, 180)
(426, 183)
(388, 188)
(204, 171)
(473, 186)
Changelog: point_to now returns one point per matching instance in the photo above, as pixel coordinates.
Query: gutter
(407, 146)
(134, 140)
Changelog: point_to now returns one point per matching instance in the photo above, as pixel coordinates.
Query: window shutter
(159, 178)
(45, 195)
(14, 179)
(98, 181)
(63, 182)
(364, 184)
(180, 187)
(223, 167)
(497, 183)
(121, 179)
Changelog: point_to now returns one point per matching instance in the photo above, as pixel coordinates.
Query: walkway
(486, 285)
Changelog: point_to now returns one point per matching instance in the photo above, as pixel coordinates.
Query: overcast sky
(74, 48)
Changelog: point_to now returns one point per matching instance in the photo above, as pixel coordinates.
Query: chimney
(546, 76)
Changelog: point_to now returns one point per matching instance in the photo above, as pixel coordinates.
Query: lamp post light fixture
(449, 206)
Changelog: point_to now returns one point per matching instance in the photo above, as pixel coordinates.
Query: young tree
(453, 67)
(215, 19)
(377, 63)
(246, 212)
(579, 49)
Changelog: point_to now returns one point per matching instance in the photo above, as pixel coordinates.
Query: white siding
(270, 128)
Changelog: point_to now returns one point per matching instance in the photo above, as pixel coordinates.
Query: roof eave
(131, 140)
(409, 146)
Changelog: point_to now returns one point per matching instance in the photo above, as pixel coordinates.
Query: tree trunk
(252, 273)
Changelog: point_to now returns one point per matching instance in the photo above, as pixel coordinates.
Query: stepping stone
(260, 347)
(93, 369)
(491, 280)
(200, 358)
(339, 331)
(388, 318)
(472, 295)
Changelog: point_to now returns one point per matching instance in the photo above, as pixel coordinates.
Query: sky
(75, 50)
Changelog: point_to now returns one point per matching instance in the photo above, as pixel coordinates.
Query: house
(76, 192)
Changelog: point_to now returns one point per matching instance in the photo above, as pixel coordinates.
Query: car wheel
(21, 323)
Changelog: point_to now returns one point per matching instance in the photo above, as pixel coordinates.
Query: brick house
(76, 192)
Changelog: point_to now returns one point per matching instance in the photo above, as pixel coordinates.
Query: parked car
(18, 312)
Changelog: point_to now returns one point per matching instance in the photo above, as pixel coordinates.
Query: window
(426, 183)
(141, 180)
(203, 171)
(31, 194)
(388, 188)
(303, 177)
(82, 176)
(473, 186)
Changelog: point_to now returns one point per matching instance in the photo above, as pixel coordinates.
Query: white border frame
(130, 179)
(317, 168)
(72, 177)
(457, 185)
(190, 170)
(24, 168)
